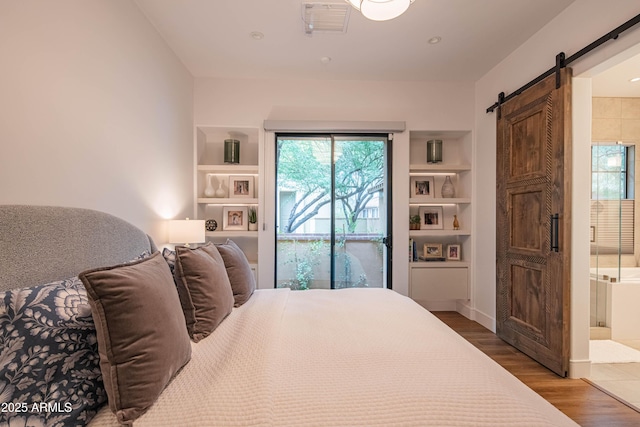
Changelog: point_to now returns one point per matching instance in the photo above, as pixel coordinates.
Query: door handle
(554, 233)
(387, 242)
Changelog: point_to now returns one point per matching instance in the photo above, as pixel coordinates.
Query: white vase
(253, 226)
(209, 191)
(220, 193)
(447, 191)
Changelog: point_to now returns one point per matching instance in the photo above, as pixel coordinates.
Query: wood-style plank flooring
(582, 402)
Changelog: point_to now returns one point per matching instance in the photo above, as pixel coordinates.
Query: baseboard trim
(465, 309)
(579, 368)
(438, 305)
(485, 320)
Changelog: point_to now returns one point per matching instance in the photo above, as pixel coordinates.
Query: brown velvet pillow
(239, 271)
(142, 339)
(203, 288)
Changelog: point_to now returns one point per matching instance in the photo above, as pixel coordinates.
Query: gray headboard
(40, 244)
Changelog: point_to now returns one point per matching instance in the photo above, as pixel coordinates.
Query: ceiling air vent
(325, 17)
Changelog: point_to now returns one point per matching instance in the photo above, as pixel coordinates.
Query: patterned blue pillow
(143, 255)
(49, 363)
(170, 257)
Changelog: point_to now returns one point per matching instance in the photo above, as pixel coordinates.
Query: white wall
(95, 112)
(577, 26)
(423, 106)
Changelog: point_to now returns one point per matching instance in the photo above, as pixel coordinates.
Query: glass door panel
(331, 211)
(359, 212)
(612, 221)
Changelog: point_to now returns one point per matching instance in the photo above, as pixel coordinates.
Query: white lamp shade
(186, 231)
(383, 10)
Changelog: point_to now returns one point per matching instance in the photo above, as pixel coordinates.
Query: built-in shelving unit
(212, 173)
(432, 282)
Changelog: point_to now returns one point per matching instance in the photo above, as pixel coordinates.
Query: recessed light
(635, 79)
(325, 59)
(256, 35)
(435, 40)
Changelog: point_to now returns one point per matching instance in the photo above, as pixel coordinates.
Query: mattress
(357, 357)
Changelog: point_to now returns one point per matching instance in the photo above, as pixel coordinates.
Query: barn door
(534, 221)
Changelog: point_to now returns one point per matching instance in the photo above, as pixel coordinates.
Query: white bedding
(349, 357)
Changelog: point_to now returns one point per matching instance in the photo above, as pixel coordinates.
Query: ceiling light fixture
(381, 10)
(635, 79)
(435, 40)
(256, 35)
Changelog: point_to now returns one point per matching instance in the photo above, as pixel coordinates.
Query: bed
(346, 357)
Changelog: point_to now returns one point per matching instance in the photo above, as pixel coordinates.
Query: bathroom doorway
(614, 267)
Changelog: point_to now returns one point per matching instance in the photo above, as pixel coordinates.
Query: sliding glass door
(332, 197)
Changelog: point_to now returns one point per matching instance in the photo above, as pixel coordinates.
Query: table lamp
(186, 231)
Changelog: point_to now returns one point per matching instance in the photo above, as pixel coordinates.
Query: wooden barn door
(534, 221)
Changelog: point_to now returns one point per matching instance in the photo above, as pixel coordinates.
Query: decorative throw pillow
(49, 355)
(239, 271)
(141, 332)
(204, 289)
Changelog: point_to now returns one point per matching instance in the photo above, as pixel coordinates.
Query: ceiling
(212, 38)
(616, 82)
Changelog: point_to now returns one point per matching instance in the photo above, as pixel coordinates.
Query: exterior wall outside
(358, 261)
(95, 112)
(577, 26)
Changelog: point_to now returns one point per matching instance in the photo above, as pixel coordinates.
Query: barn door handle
(554, 233)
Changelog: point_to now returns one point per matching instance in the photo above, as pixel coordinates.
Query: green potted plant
(414, 222)
(253, 219)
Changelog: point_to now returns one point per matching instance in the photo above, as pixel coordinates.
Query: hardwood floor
(582, 402)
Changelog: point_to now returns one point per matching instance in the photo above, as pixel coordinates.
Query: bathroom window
(612, 216)
(612, 171)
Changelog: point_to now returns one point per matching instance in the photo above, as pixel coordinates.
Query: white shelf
(440, 201)
(227, 201)
(442, 282)
(226, 169)
(425, 168)
(439, 233)
(209, 160)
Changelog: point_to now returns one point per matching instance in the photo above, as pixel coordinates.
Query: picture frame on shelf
(453, 252)
(422, 187)
(431, 217)
(235, 218)
(431, 251)
(241, 186)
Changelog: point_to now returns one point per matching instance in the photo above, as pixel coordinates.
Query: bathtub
(618, 301)
(630, 274)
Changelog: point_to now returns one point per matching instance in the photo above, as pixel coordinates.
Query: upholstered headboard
(40, 244)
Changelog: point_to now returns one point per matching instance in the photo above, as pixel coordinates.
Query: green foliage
(253, 215)
(359, 169)
(305, 256)
(304, 167)
(300, 170)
